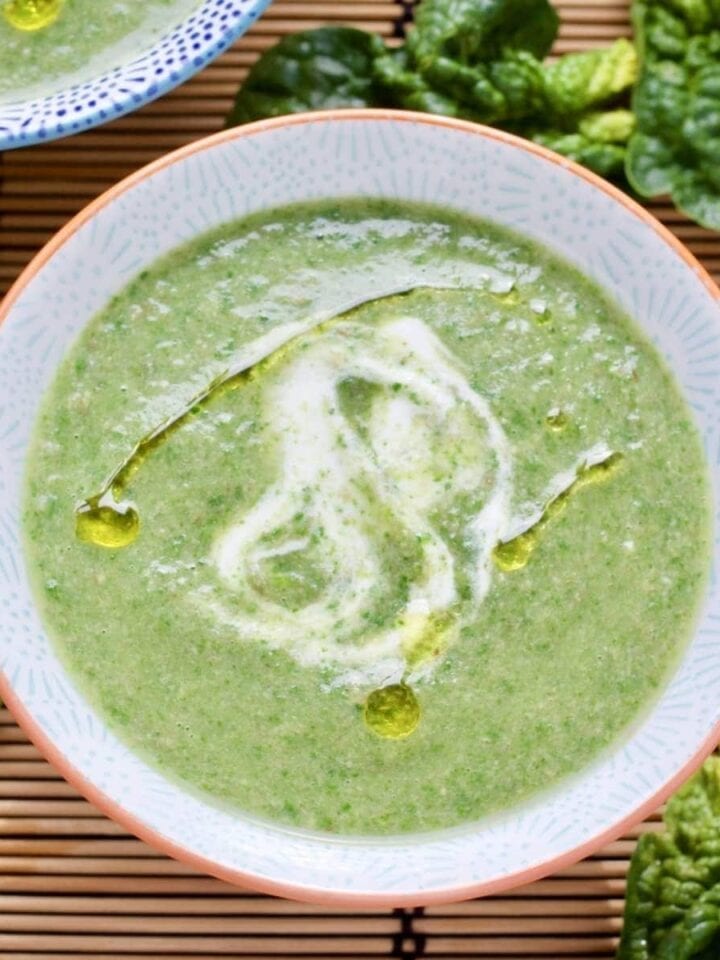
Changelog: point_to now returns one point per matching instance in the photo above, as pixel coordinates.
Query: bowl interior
(349, 154)
(148, 73)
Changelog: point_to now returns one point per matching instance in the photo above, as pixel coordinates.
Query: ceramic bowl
(349, 153)
(186, 48)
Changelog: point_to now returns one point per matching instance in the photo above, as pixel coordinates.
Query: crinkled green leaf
(492, 93)
(664, 33)
(312, 70)
(471, 88)
(692, 195)
(519, 78)
(697, 13)
(662, 99)
(672, 904)
(404, 87)
(676, 148)
(703, 50)
(459, 55)
(651, 166)
(578, 81)
(480, 55)
(472, 32)
(605, 159)
(607, 126)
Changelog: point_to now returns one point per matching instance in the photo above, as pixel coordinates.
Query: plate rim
(35, 132)
(296, 891)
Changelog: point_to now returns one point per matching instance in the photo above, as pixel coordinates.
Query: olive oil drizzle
(514, 554)
(31, 15)
(392, 712)
(107, 519)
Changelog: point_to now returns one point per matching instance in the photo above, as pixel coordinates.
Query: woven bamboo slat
(73, 884)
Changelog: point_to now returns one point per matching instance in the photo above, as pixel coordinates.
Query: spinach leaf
(597, 140)
(574, 87)
(476, 59)
(607, 126)
(472, 32)
(487, 93)
(672, 905)
(676, 148)
(578, 81)
(404, 87)
(466, 58)
(651, 165)
(312, 70)
(605, 159)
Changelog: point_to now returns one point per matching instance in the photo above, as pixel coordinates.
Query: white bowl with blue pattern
(350, 153)
(184, 49)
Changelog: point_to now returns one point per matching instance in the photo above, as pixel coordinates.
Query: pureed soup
(46, 45)
(367, 517)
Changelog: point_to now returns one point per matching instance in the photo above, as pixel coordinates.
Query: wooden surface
(73, 884)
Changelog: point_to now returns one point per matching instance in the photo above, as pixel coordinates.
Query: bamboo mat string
(73, 884)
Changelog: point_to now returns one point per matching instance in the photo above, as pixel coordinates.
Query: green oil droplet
(32, 14)
(105, 523)
(557, 421)
(514, 554)
(392, 712)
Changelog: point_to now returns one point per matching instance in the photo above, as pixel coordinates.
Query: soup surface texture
(75, 40)
(424, 531)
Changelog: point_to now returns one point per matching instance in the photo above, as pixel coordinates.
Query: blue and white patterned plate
(351, 153)
(181, 52)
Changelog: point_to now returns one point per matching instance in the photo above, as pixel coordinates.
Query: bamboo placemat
(74, 884)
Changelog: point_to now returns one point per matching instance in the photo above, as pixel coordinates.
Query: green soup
(74, 40)
(418, 525)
